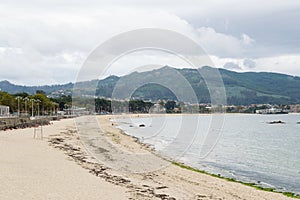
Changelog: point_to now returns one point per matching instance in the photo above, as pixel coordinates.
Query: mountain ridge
(242, 88)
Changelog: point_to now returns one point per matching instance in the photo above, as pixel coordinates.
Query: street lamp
(38, 103)
(26, 99)
(32, 101)
(18, 98)
(54, 108)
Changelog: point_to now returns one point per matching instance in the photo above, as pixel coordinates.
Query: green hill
(241, 88)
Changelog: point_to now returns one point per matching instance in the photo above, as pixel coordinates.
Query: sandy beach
(62, 167)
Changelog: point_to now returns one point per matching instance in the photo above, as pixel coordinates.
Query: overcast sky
(46, 42)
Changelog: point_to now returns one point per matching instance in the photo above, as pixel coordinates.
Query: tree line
(40, 104)
(25, 104)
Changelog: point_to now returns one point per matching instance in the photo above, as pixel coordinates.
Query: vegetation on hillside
(241, 88)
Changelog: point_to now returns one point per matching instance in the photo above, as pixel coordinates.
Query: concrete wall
(22, 122)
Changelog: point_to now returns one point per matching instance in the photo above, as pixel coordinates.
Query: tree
(21, 94)
(62, 101)
(44, 103)
(139, 106)
(102, 105)
(8, 100)
(170, 105)
(40, 92)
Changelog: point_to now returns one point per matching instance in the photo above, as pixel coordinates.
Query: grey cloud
(249, 63)
(274, 26)
(54, 37)
(232, 66)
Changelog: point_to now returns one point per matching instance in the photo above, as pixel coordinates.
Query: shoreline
(185, 166)
(250, 184)
(62, 159)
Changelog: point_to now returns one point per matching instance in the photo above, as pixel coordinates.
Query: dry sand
(61, 167)
(31, 169)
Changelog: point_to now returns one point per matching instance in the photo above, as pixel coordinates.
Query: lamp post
(32, 107)
(54, 108)
(18, 98)
(32, 101)
(38, 103)
(26, 99)
(66, 108)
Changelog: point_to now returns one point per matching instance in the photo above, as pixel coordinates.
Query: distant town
(61, 103)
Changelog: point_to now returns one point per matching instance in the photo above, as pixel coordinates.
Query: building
(157, 108)
(272, 111)
(4, 111)
(74, 110)
(295, 108)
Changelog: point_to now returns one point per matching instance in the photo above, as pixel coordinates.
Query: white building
(157, 108)
(74, 110)
(271, 111)
(4, 111)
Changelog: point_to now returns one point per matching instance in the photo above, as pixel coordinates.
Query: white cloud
(246, 40)
(286, 64)
(289, 64)
(45, 43)
(58, 43)
(223, 45)
(31, 68)
(248, 63)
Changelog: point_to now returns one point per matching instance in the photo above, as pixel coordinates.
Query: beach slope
(61, 167)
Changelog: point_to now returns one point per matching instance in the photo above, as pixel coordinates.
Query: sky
(47, 42)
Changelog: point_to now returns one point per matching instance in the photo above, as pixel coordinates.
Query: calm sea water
(240, 146)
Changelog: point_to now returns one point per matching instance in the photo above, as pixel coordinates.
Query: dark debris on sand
(65, 142)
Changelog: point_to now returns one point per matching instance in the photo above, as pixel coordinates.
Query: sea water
(241, 146)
